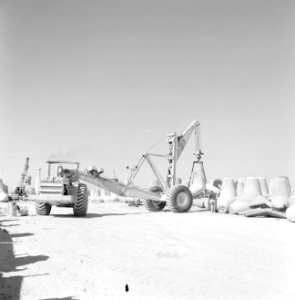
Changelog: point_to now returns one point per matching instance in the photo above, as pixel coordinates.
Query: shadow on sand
(10, 286)
(15, 235)
(94, 215)
(63, 298)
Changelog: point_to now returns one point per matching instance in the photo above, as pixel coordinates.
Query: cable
(155, 144)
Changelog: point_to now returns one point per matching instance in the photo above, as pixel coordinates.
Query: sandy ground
(197, 255)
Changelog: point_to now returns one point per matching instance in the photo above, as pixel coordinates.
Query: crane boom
(114, 186)
(185, 136)
(177, 143)
(24, 173)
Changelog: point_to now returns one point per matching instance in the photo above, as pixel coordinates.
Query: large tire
(152, 205)
(81, 204)
(179, 199)
(42, 209)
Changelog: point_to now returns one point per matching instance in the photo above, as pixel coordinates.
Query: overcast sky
(101, 81)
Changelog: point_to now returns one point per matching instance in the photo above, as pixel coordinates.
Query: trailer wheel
(152, 205)
(42, 209)
(179, 199)
(81, 204)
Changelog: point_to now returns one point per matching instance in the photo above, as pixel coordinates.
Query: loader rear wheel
(81, 204)
(179, 199)
(42, 209)
(152, 205)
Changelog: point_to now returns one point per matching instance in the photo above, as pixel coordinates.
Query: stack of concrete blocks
(114, 197)
(101, 195)
(290, 212)
(197, 188)
(105, 192)
(292, 198)
(288, 182)
(240, 187)
(280, 196)
(3, 192)
(263, 187)
(198, 184)
(105, 195)
(280, 192)
(3, 198)
(94, 194)
(97, 195)
(252, 194)
(227, 195)
(91, 195)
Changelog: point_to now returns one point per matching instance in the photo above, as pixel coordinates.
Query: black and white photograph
(147, 149)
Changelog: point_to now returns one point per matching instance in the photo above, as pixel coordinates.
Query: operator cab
(62, 169)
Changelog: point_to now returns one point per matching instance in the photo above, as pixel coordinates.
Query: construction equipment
(19, 191)
(60, 190)
(178, 197)
(66, 190)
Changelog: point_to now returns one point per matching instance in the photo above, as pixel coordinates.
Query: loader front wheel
(179, 199)
(81, 204)
(42, 209)
(153, 205)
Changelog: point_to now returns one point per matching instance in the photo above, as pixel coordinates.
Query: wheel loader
(63, 189)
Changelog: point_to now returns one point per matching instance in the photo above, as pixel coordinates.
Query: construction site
(147, 150)
(119, 232)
